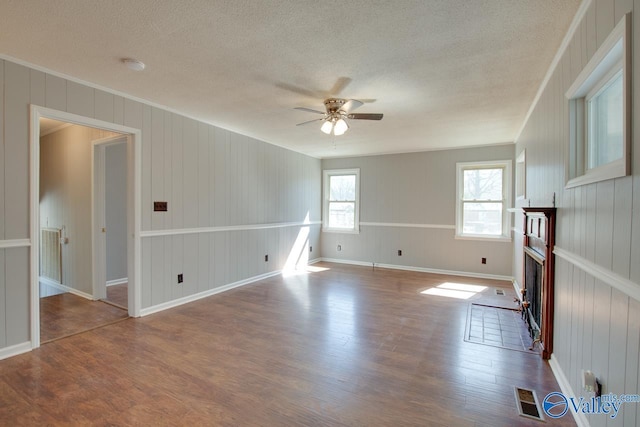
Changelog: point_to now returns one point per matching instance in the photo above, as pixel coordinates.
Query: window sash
(334, 222)
(477, 226)
(594, 145)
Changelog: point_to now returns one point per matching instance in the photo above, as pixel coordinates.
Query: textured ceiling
(445, 73)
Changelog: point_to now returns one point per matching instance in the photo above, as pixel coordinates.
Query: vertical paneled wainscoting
(216, 259)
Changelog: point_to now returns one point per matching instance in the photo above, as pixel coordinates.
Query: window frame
(521, 175)
(506, 165)
(327, 174)
(613, 57)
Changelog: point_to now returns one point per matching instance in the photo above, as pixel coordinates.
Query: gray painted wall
(597, 326)
(209, 177)
(416, 189)
(65, 198)
(116, 210)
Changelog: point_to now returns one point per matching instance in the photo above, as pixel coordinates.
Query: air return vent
(527, 403)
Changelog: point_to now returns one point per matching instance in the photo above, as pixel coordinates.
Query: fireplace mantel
(539, 240)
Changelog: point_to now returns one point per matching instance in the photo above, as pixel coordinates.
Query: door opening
(66, 208)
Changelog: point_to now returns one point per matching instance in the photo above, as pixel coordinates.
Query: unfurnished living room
(307, 213)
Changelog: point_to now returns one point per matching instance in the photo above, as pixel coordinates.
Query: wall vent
(51, 254)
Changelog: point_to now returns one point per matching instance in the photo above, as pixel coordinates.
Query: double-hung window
(483, 196)
(341, 200)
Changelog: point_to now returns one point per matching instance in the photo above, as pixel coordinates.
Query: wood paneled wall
(209, 176)
(408, 203)
(597, 323)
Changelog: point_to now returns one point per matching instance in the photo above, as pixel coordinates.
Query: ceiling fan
(338, 110)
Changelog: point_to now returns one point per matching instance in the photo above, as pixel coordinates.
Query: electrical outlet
(310, 248)
(339, 247)
(266, 258)
(180, 278)
(399, 252)
(484, 260)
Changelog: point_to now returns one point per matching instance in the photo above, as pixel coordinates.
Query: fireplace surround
(538, 280)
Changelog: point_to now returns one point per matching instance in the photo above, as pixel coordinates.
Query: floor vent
(527, 403)
(499, 292)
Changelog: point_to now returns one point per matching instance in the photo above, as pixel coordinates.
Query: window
(604, 119)
(341, 200)
(599, 111)
(483, 195)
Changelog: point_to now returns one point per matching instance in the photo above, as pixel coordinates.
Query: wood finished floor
(117, 294)
(345, 346)
(67, 314)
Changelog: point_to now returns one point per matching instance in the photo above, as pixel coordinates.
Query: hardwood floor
(67, 314)
(117, 295)
(345, 346)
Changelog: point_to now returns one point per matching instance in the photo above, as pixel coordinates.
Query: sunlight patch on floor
(454, 290)
(301, 269)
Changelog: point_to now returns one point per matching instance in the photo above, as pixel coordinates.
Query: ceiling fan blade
(299, 90)
(309, 110)
(351, 105)
(309, 121)
(340, 84)
(365, 116)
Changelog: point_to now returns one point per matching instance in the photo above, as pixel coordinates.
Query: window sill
(340, 230)
(611, 170)
(483, 238)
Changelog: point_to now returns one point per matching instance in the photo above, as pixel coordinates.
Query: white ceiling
(445, 73)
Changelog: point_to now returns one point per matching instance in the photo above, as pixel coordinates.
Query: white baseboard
(420, 269)
(184, 300)
(65, 288)
(565, 387)
(118, 281)
(15, 350)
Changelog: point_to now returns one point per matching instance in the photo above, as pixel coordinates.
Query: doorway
(78, 276)
(110, 219)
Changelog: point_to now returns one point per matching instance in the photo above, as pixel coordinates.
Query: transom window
(341, 200)
(483, 194)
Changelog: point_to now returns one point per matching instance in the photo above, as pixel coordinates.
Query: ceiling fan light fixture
(327, 127)
(340, 128)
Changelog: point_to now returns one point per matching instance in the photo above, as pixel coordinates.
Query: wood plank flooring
(68, 314)
(117, 295)
(344, 346)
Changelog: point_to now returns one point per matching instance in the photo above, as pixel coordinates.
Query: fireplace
(537, 297)
(533, 277)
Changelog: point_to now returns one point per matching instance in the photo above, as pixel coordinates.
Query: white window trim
(614, 54)
(521, 175)
(327, 173)
(506, 202)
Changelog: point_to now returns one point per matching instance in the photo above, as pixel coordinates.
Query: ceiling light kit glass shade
(336, 124)
(327, 127)
(340, 127)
